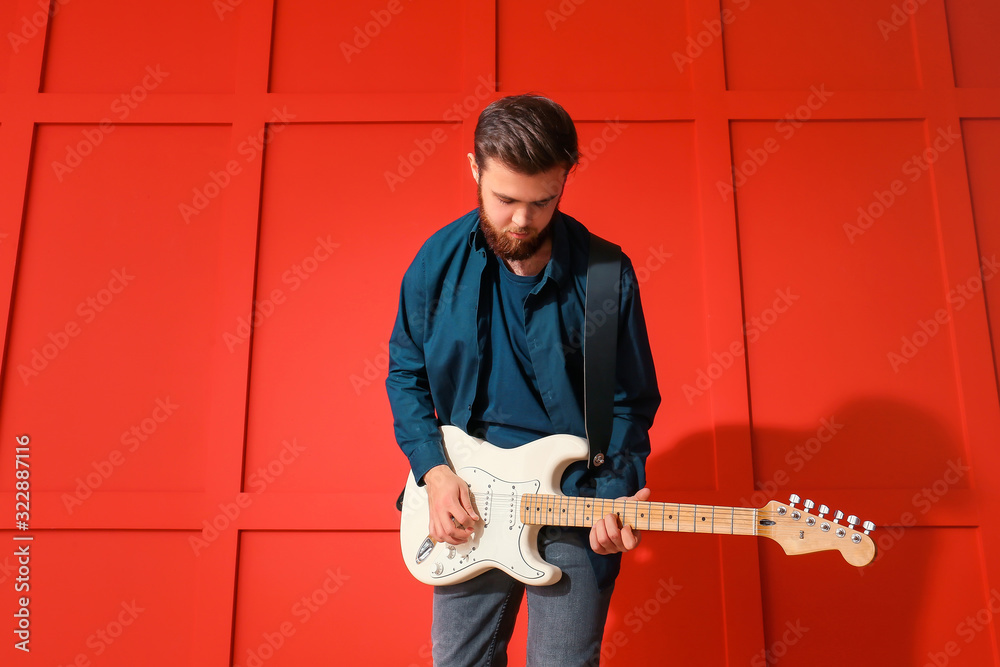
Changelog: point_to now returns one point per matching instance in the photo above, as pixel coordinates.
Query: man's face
(516, 209)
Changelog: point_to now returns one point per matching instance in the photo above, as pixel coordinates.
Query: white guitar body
(497, 479)
(516, 492)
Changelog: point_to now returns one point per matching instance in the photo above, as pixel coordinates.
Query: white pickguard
(497, 479)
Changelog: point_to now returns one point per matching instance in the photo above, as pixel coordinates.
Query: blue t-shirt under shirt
(509, 405)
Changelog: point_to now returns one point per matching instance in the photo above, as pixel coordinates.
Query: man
(488, 338)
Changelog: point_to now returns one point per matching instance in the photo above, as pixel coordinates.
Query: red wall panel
(550, 47)
(856, 267)
(974, 51)
(809, 44)
(187, 41)
(368, 47)
(806, 192)
(108, 271)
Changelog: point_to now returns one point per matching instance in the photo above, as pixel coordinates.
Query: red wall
(807, 196)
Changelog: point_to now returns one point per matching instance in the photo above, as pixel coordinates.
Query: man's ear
(474, 166)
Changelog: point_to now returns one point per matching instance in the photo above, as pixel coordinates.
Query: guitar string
(744, 518)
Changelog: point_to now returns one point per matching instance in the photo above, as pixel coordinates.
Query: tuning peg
(838, 515)
(823, 509)
(852, 521)
(869, 526)
(792, 499)
(808, 504)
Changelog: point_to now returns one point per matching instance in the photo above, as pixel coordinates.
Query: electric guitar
(516, 492)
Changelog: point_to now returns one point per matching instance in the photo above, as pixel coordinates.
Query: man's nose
(522, 217)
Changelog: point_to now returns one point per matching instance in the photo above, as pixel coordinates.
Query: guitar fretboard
(555, 510)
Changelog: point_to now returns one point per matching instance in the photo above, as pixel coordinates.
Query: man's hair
(528, 134)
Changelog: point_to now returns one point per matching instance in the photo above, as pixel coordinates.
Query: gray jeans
(473, 620)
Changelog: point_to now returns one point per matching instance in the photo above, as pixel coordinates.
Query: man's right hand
(452, 514)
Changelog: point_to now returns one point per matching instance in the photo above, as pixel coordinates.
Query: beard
(505, 246)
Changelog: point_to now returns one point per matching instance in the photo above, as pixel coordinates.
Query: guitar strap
(600, 344)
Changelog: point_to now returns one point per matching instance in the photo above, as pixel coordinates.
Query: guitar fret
(560, 510)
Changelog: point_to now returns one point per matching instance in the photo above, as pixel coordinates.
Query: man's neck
(534, 264)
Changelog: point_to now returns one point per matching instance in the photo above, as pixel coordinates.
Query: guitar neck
(554, 510)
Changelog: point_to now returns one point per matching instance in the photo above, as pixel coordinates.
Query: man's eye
(542, 204)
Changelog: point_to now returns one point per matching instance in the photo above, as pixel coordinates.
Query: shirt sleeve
(414, 420)
(636, 398)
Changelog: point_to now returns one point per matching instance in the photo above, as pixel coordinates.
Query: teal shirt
(509, 410)
(441, 338)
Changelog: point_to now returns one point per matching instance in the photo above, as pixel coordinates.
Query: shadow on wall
(812, 601)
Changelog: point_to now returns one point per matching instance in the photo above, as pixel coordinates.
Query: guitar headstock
(799, 531)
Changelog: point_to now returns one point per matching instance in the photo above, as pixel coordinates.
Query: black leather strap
(600, 344)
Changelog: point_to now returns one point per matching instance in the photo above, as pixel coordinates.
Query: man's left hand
(608, 537)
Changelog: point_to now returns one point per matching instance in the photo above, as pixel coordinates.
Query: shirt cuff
(429, 456)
